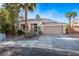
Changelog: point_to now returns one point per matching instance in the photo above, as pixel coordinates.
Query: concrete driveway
(50, 44)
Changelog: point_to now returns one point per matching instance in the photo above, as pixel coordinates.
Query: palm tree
(69, 16)
(39, 22)
(26, 7)
(74, 14)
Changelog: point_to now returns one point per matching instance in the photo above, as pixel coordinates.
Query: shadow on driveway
(25, 51)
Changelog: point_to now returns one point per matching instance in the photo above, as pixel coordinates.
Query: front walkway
(43, 45)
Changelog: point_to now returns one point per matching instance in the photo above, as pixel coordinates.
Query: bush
(20, 32)
(40, 33)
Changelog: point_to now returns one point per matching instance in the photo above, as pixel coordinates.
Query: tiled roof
(46, 20)
(36, 20)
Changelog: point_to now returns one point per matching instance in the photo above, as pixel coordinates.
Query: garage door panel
(52, 30)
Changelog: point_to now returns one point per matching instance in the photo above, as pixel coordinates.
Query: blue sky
(53, 11)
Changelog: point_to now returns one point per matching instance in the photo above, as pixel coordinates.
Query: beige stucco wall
(53, 24)
(75, 25)
(39, 23)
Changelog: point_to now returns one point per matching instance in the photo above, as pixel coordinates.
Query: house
(46, 26)
(75, 25)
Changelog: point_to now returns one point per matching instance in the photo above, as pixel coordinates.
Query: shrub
(20, 32)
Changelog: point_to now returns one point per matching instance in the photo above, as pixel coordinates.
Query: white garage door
(53, 30)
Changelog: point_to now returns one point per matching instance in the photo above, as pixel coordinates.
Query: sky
(53, 11)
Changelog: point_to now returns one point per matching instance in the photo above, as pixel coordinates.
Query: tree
(39, 22)
(4, 23)
(74, 14)
(37, 17)
(27, 7)
(69, 16)
(14, 10)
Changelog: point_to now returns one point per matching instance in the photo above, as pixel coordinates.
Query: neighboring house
(46, 26)
(75, 25)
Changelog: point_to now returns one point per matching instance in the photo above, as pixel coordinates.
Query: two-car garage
(50, 28)
(53, 30)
